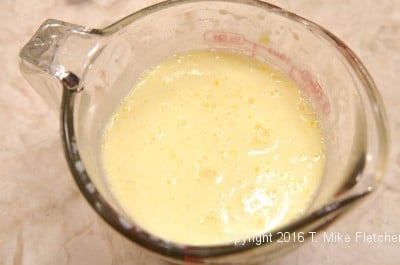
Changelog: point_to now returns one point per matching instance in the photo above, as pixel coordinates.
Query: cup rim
(194, 253)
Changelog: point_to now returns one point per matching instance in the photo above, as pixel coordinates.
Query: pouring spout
(57, 57)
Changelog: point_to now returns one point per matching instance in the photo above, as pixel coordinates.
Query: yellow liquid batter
(212, 147)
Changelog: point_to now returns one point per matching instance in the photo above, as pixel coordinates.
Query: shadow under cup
(328, 73)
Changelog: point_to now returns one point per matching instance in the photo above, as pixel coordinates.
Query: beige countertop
(45, 220)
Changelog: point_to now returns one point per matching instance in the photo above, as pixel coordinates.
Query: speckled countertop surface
(45, 220)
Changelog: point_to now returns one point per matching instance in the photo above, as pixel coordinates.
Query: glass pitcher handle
(56, 58)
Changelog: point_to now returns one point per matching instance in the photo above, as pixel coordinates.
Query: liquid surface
(212, 147)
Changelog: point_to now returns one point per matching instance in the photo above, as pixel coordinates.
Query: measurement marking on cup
(306, 80)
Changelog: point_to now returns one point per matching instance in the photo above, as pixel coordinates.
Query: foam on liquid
(210, 147)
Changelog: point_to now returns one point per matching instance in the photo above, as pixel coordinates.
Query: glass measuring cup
(86, 72)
